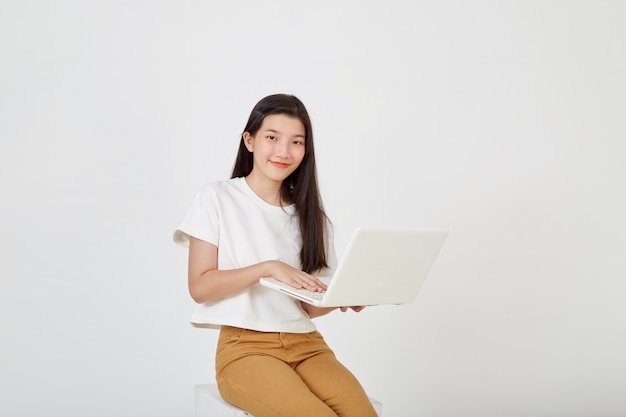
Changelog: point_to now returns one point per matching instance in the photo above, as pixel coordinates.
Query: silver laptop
(380, 266)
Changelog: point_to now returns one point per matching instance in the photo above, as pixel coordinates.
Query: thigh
(252, 374)
(266, 386)
(334, 384)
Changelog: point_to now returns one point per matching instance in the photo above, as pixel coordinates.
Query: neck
(268, 191)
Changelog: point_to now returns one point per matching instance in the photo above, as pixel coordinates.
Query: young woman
(268, 220)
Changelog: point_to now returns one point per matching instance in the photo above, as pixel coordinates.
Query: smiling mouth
(279, 164)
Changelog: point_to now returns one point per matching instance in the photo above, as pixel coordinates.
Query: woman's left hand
(355, 308)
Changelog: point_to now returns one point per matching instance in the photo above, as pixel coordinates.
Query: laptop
(380, 266)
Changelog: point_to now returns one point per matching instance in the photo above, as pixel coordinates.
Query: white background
(501, 120)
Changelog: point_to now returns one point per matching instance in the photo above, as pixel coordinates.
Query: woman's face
(278, 147)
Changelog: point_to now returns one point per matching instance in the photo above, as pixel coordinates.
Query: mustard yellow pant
(286, 375)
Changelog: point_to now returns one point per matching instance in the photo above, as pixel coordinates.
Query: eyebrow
(276, 131)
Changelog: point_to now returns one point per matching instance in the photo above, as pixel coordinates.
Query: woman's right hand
(207, 283)
(294, 277)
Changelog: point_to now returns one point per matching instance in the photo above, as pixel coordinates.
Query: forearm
(209, 283)
(313, 311)
(216, 284)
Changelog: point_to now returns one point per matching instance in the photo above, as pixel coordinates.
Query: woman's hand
(313, 311)
(355, 308)
(294, 277)
(207, 283)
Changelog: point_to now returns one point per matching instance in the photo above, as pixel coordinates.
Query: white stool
(209, 403)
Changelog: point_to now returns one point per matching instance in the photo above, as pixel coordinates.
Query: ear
(248, 140)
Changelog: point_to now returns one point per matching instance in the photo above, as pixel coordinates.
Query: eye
(271, 137)
(298, 142)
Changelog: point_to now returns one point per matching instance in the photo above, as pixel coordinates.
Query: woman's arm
(207, 283)
(313, 311)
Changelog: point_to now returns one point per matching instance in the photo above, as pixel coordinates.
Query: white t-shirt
(246, 231)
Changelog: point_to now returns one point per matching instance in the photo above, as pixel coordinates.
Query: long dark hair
(300, 187)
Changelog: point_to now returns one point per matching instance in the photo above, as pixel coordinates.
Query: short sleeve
(202, 220)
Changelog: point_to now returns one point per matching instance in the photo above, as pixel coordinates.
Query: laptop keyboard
(310, 294)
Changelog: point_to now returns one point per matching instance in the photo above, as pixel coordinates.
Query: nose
(282, 149)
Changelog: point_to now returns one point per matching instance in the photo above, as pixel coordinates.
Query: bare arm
(313, 311)
(207, 283)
